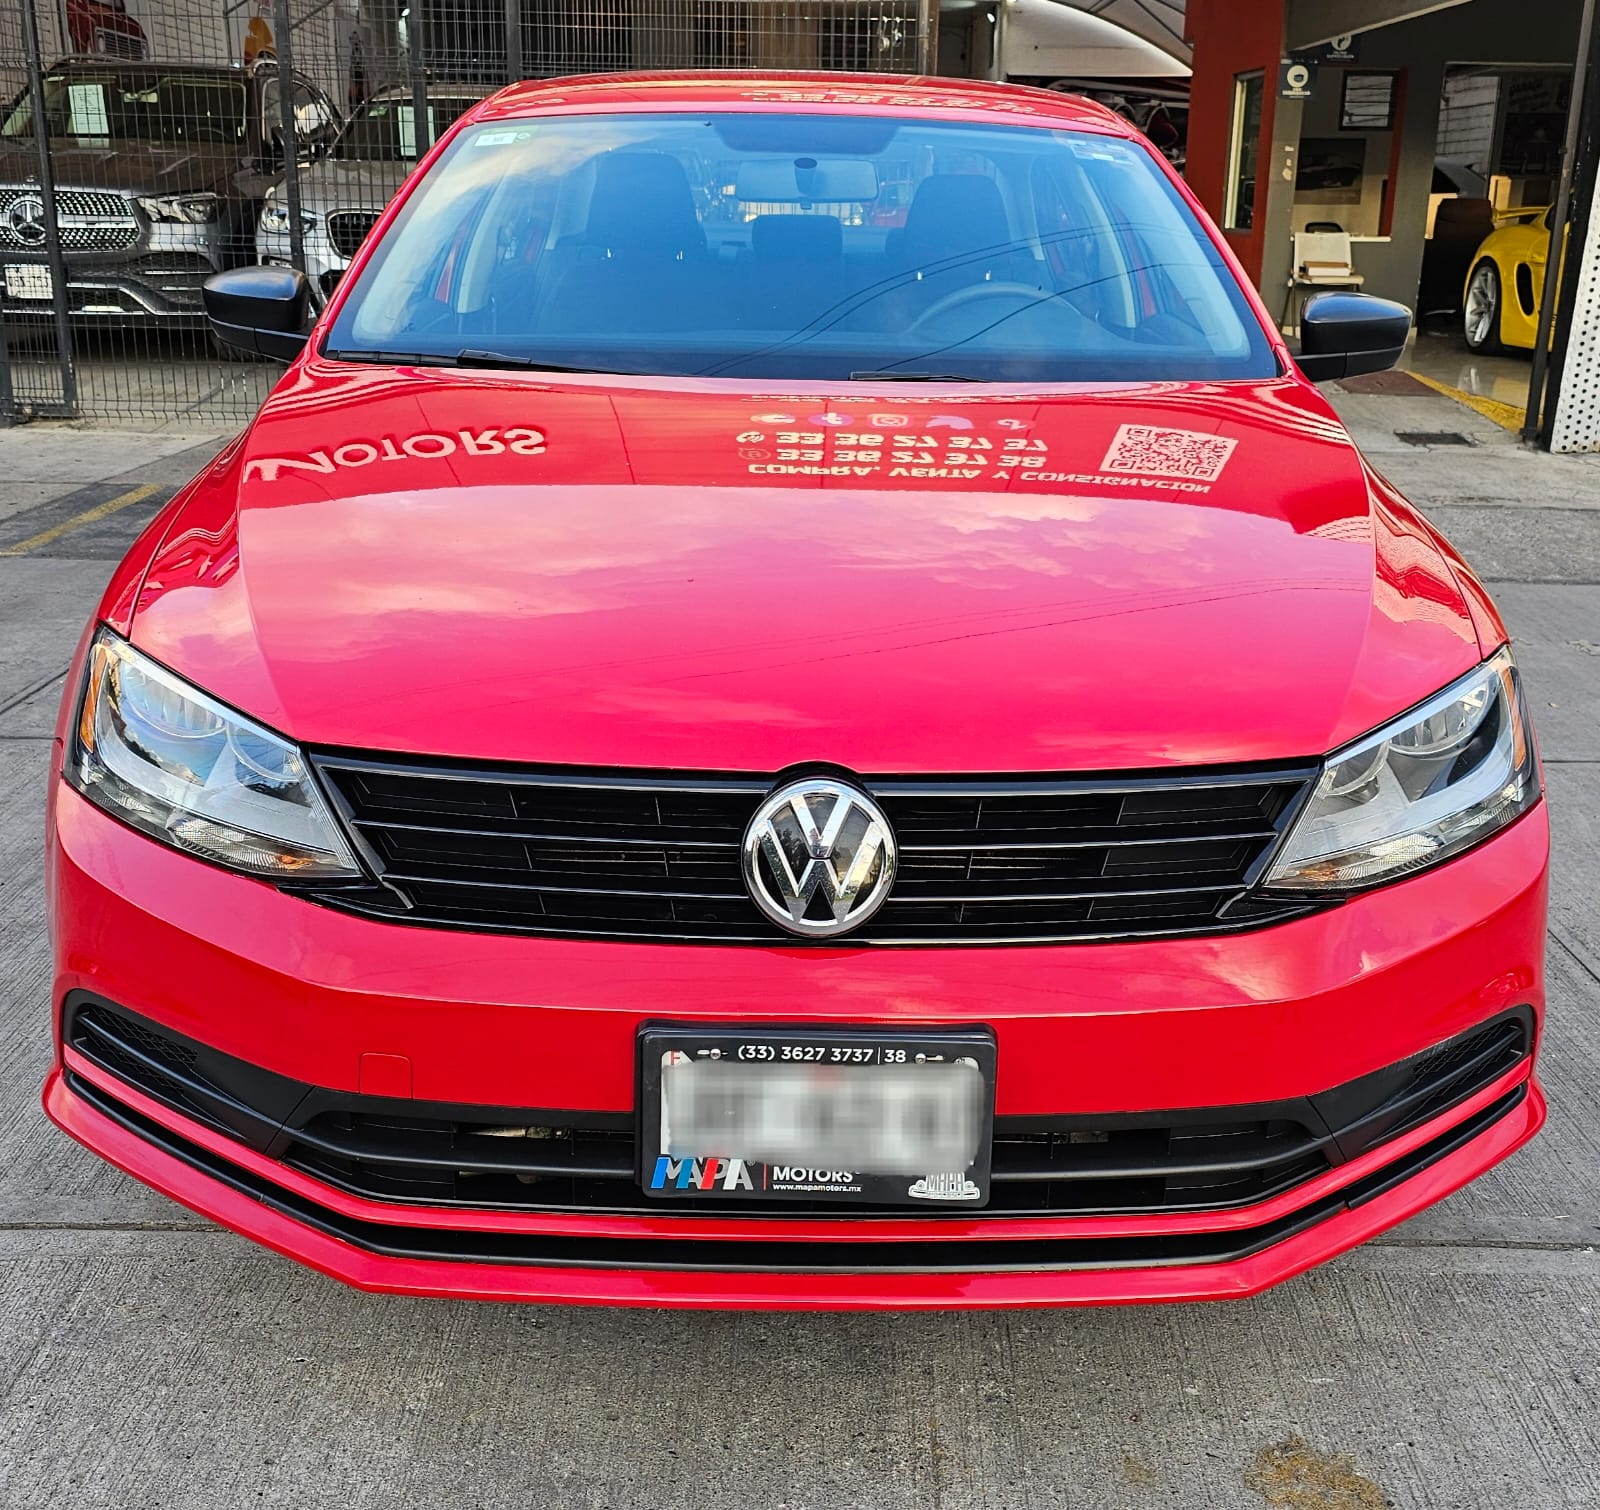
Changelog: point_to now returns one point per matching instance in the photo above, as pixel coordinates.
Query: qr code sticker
(1190, 454)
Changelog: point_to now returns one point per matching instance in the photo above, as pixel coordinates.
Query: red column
(1231, 37)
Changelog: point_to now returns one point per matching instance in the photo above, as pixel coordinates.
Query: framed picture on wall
(1330, 170)
(1367, 102)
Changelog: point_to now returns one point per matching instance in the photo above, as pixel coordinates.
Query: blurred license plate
(853, 1116)
(26, 281)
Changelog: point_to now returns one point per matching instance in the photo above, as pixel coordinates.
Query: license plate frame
(963, 1190)
(29, 280)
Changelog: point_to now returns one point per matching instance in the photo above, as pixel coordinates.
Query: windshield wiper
(915, 377)
(473, 358)
(393, 358)
(468, 358)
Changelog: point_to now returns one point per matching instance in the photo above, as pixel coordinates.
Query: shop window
(1239, 213)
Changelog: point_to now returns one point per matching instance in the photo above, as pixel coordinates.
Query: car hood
(493, 566)
(141, 169)
(333, 184)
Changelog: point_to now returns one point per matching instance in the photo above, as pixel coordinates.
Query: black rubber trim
(228, 1093)
(698, 1255)
(356, 901)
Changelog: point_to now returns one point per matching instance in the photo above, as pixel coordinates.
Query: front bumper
(323, 264)
(329, 1000)
(155, 282)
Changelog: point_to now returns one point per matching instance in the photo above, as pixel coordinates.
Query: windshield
(804, 246)
(385, 131)
(137, 107)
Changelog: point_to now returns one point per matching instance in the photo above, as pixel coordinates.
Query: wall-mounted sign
(1337, 50)
(1367, 103)
(1295, 78)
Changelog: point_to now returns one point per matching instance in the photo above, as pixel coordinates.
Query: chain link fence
(146, 144)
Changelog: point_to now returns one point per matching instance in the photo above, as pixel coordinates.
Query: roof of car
(842, 93)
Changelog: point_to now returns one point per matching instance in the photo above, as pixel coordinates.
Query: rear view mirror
(1342, 334)
(259, 309)
(807, 180)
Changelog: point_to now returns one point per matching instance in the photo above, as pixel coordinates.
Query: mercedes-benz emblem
(25, 220)
(819, 857)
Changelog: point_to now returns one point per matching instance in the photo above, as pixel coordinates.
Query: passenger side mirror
(1342, 334)
(259, 309)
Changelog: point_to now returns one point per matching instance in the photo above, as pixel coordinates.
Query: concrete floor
(147, 1359)
(1441, 353)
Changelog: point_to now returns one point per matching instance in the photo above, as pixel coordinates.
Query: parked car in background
(105, 27)
(342, 195)
(160, 173)
(1506, 284)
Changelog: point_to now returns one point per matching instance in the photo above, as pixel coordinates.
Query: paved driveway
(147, 1359)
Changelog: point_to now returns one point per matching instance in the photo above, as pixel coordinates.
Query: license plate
(842, 1115)
(25, 280)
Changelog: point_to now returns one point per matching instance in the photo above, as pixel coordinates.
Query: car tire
(1481, 309)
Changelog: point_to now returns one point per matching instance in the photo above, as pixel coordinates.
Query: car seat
(640, 258)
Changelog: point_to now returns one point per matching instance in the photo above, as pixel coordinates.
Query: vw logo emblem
(25, 220)
(819, 857)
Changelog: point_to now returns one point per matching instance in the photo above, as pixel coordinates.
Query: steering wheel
(976, 294)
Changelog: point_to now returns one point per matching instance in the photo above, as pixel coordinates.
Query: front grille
(115, 44)
(421, 1153)
(89, 220)
(658, 859)
(1078, 1167)
(347, 229)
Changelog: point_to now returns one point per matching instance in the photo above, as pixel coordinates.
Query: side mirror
(1342, 334)
(259, 309)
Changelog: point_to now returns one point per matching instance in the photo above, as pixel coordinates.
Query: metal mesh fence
(146, 144)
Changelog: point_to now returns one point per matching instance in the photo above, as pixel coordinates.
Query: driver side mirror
(1342, 334)
(261, 310)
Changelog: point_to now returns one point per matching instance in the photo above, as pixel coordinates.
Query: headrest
(797, 238)
(642, 203)
(1476, 214)
(952, 213)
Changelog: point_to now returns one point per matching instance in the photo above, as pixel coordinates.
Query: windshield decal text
(427, 445)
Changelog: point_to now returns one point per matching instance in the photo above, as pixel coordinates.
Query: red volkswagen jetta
(794, 701)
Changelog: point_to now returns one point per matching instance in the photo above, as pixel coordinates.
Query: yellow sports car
(1501, 305)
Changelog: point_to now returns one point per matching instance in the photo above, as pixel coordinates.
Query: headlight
(1423, 789)
(275, 217)
(165, 758)
(189, 209)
